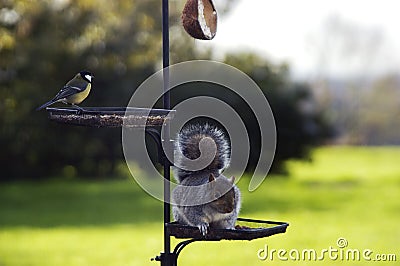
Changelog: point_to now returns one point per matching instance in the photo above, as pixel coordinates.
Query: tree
(379, 112)
(300, 122)
(42, 45)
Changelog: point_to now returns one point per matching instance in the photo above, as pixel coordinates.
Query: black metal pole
(167, 259)
(165, 48)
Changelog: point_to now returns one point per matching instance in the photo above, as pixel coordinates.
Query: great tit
(74, 92)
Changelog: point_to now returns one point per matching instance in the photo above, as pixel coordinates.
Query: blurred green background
(72, 202)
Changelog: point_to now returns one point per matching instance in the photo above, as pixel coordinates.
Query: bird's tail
(45, 105)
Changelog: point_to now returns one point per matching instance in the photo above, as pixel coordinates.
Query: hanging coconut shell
(199, 19)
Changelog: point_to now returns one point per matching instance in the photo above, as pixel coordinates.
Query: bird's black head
(86, 75)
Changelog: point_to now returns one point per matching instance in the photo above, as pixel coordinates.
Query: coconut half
(199, 18)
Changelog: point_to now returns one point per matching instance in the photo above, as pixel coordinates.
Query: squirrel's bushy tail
(205, 141)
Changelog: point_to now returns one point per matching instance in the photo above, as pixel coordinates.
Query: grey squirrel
(204, 197)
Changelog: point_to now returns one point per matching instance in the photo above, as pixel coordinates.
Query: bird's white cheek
(88, 77)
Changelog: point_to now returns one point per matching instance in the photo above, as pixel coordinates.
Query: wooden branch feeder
(151, 119)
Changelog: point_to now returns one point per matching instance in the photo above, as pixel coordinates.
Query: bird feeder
(151, 120)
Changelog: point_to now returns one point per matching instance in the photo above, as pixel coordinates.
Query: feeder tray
(246, 229)
(111, 116)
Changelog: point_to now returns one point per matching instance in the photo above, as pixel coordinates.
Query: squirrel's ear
(232, 179)
(211, 178)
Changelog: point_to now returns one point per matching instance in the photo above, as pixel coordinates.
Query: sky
(364, 38)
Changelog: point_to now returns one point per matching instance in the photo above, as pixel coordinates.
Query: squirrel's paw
(203, 227)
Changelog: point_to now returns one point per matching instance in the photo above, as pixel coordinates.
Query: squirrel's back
(200, 150)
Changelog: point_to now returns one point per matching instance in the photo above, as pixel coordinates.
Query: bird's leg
(80, 109)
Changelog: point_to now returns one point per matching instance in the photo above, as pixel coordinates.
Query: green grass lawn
(353, 193)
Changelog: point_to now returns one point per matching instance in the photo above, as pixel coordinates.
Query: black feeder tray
(246, 229)
(111, 116)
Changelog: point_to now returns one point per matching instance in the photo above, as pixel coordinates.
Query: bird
(74, 92)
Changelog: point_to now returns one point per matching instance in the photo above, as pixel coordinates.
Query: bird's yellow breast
(79, 97)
